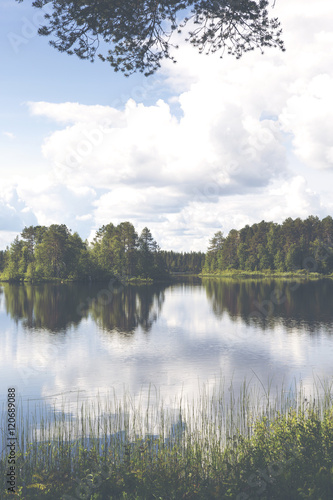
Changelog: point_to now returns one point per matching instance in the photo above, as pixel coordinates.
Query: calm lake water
(80, 340)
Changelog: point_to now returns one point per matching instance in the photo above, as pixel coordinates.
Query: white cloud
(10, 135)
(193, 226)
(26, 202)
(242, 149)
(84, 217)
(152, 165)
(14, 214)
(308, 115)
(54, 203)
(71, 112)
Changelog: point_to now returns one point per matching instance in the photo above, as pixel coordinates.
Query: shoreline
(263, 274)
(233, 274)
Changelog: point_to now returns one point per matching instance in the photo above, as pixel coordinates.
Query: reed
(261, 442)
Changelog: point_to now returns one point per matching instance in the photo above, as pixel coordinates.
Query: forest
(295, 244)
(44, 253)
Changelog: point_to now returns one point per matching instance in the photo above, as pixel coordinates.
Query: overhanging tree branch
(135, 35)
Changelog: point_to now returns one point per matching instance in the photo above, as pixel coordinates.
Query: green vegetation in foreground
(223, 447)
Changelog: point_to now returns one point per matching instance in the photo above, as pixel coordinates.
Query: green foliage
(217, 449)
(46, 253)
(293, 246)
(214, 253)
(136, 34)
(115, 250)
(14, 261)
(182, 262)
(2, 260)
(289, 457)
(147, 249)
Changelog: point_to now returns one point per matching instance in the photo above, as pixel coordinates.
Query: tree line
(117, 251)
(293, 245)
(183, 262)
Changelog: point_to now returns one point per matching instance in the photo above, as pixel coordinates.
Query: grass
(134, 280)
(267, 273)
(249, 445)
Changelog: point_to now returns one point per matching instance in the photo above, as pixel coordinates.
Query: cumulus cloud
(152, 164)
(71, 112)
(240, 147)
(29, 203)
(55, 204)
(14, 214)
(308, 116)
(195, 224)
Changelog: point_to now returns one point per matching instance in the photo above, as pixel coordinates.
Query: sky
(203, 145)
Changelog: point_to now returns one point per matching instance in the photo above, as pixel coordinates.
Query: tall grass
(222, 444)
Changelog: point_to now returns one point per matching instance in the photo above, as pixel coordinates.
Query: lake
(79, 340)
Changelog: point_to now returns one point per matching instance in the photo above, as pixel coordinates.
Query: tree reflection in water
(43, 306)
(130, 307)
(57, 307)
(262, 303)
(268, 303)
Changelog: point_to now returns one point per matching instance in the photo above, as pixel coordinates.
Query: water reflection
(78, 338)
(57, 307)
(262, 303)
(44, 306)
(270, 303)
(129, 308)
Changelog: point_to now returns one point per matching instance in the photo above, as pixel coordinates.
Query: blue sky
(202, 145)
